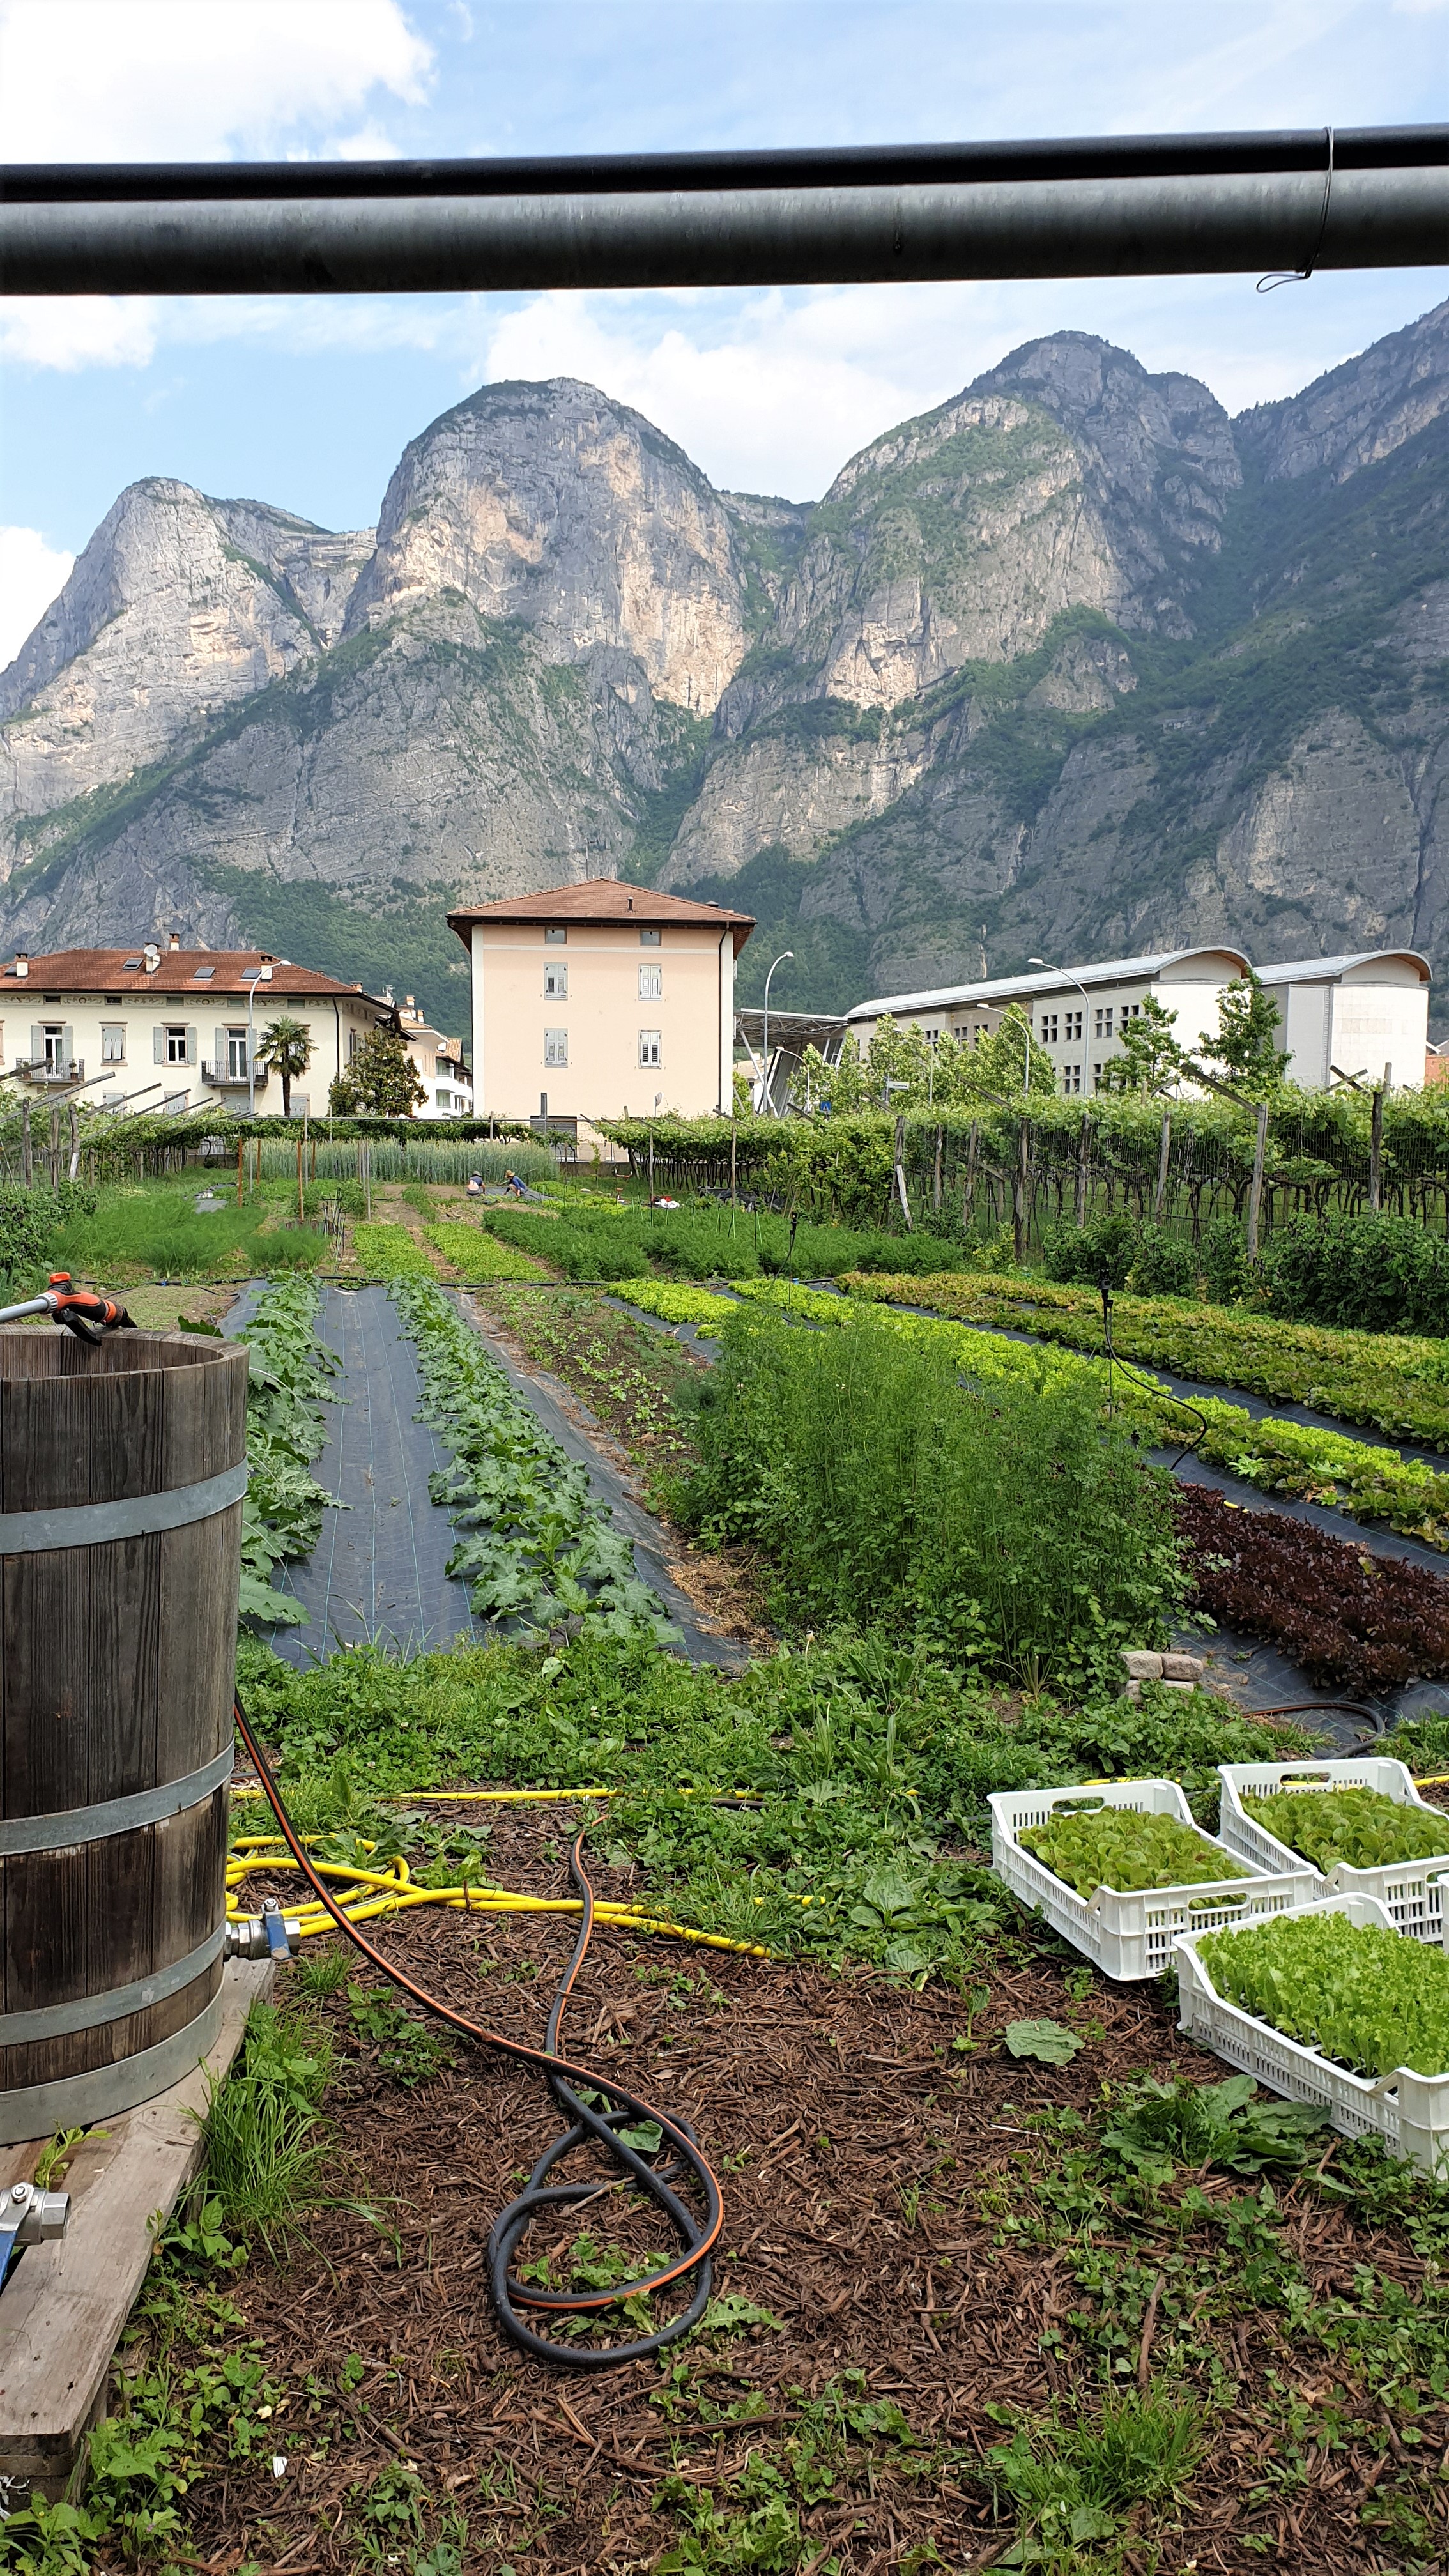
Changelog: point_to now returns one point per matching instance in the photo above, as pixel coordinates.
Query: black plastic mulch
(378, 1573)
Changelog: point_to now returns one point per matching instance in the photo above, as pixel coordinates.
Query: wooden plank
(62, 2312)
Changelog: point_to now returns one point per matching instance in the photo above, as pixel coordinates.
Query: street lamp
(765, 1038)
(1086, 1006)
(252, 976)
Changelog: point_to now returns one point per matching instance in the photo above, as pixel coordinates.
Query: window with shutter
(37, 1046)
(158, 1044)
(191, 1046)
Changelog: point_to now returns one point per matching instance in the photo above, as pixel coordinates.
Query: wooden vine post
(1084, 1151)
(74, 1140)
(1018, 1190)
(301, 1200)
(27, 1164)
(1376, 1144)
(1159, 1195)
(734, 1192)
(240, 1171)
(936, 1184)
(1255, 1189)
(968, 1191)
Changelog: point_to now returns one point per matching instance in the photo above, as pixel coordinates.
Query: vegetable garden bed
(1354, 1623)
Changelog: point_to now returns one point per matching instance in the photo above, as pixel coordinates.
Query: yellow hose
(394, 1891)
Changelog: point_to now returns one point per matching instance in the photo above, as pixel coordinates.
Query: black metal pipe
(1117, 206)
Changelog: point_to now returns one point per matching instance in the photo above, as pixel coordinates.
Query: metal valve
(29, 2216)
(268, 1935)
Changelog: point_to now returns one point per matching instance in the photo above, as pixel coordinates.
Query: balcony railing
(60, 1071)
(221, 1077)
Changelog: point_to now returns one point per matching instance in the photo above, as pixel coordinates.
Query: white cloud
(71, 331)
(194, 80)
(31, 573)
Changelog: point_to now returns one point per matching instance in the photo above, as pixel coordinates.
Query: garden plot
(941, 2257)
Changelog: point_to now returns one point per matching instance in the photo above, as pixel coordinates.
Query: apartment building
(600, 999)
(1078, 1013)
(1338, 1015)
(173, 1028)
(438, 1063)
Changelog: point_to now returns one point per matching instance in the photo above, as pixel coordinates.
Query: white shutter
(158, 1044)
(67, 1046)
(37, 1046)
(190, 1046)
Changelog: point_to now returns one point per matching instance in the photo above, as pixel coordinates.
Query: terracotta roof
(123, 970)
(606, 899)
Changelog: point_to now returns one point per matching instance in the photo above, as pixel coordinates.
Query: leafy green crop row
(1358, 1826)
(704, 1241)
(478, 1256)
(1279, 1456)
(1121, 1848)
(1397, 1383)
(538, 1548)
(1363, 1995)
(286, 1387)
(390, 1252)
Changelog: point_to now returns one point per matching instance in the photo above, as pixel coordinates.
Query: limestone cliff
(1071, 664)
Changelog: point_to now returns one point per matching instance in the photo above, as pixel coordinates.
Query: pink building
(598, 1000)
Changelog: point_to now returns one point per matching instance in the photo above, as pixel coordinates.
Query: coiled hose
(569, 2084)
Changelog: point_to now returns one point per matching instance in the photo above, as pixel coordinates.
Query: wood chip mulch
(868, 2168)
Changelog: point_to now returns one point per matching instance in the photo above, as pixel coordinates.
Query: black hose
(687, 2163)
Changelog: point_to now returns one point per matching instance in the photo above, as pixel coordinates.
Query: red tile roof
(606, 899)
(123, 970)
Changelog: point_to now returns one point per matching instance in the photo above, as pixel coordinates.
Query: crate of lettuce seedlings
(1331, 2005)
(1360, 1826)
(1120, 1869)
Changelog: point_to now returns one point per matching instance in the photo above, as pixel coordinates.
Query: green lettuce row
(289, 1367)
(537, 1549)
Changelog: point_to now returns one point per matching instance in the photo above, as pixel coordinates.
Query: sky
(307, 402)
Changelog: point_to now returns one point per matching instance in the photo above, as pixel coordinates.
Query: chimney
(174, 942)
(152, 956)
(22, 962)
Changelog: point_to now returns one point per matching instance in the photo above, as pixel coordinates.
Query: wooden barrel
(122, 1466)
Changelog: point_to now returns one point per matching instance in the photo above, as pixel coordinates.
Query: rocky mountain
(1073, 664)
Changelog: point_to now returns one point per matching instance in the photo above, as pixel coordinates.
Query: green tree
(1245, 1048)
(380, 1082)
(1151, 1059)
(288, 1048)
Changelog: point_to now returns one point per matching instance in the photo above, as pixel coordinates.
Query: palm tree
(288, 1047)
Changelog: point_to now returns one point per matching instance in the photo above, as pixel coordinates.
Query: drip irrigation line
(577, 2090)
(1149, 1385)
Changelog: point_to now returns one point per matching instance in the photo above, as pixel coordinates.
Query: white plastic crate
(1411, 1889)
(1131, 1935)
(1409, 2112)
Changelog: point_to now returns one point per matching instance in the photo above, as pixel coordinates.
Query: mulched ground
(870, 2175)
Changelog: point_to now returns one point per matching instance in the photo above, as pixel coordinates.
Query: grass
(143, 1230)
(267, 2148)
